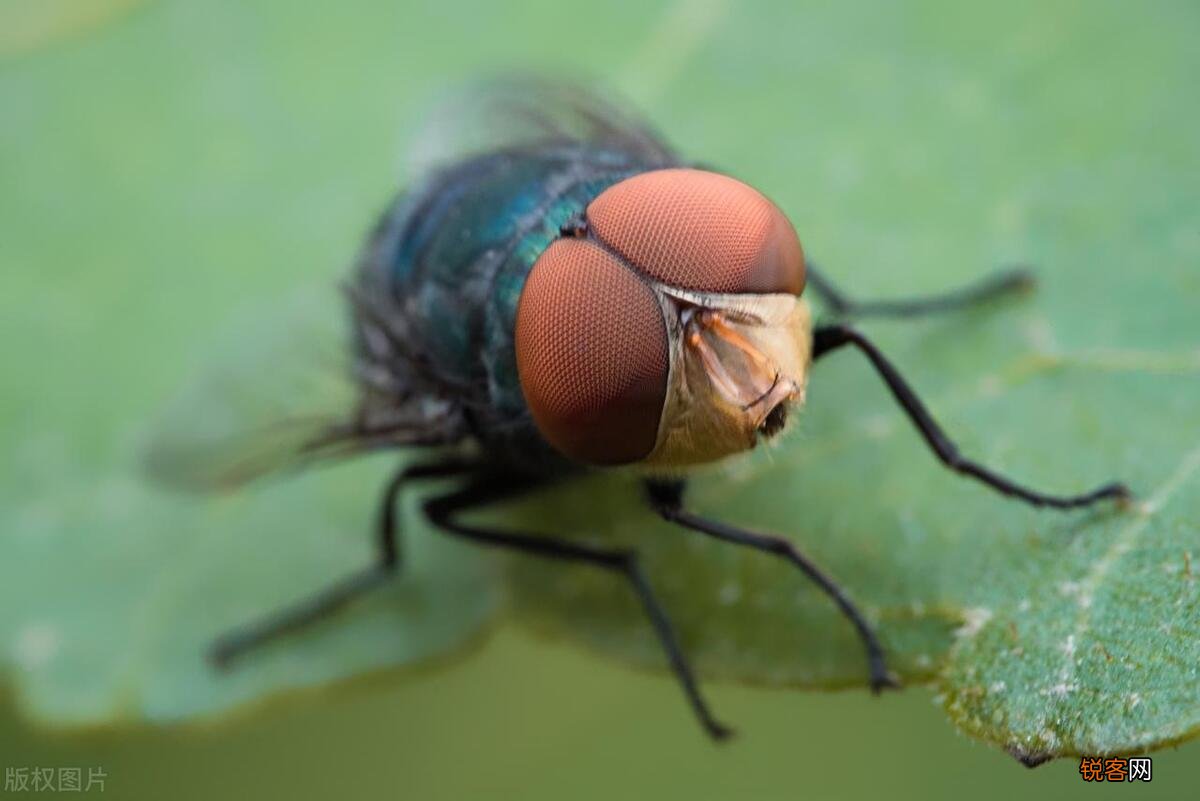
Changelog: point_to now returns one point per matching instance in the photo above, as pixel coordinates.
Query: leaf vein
(1122, 544)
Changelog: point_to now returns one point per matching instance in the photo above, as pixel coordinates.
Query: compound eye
(700, 230)
(592, 357)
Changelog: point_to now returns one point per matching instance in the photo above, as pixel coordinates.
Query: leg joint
(665, 495)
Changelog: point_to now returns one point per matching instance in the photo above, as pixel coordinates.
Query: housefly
(559, 292)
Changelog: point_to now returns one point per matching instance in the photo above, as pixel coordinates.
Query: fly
(567, 295)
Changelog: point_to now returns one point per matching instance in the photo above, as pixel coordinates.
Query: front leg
(666, 498)
(829, 338)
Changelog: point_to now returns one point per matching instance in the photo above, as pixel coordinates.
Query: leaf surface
(215, 161)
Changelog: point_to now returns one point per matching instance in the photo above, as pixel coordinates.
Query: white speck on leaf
(1049, 737)
(1068, 588)
(1068, 647)
(974, 619)
(37, 644)
(1040, 335)
(877, 426)
(730, 593)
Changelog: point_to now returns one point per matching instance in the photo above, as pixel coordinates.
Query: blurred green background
(162, 163)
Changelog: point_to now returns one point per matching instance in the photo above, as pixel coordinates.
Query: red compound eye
(591, 354)
(700, 230)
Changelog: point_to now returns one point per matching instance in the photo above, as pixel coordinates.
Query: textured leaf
(120, 590)
(176, 160)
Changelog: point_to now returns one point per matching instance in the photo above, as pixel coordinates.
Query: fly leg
(829, 338)
(666, 498)
(443, 512)
(237, 643)
(993, 286)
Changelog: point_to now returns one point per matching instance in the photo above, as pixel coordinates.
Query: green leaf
(186, 158)
(120, 591)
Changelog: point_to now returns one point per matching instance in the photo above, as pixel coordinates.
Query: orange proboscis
(716, 321)
(756, 377)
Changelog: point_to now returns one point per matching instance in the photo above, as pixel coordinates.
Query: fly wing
(283, 390)
(528, 111)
